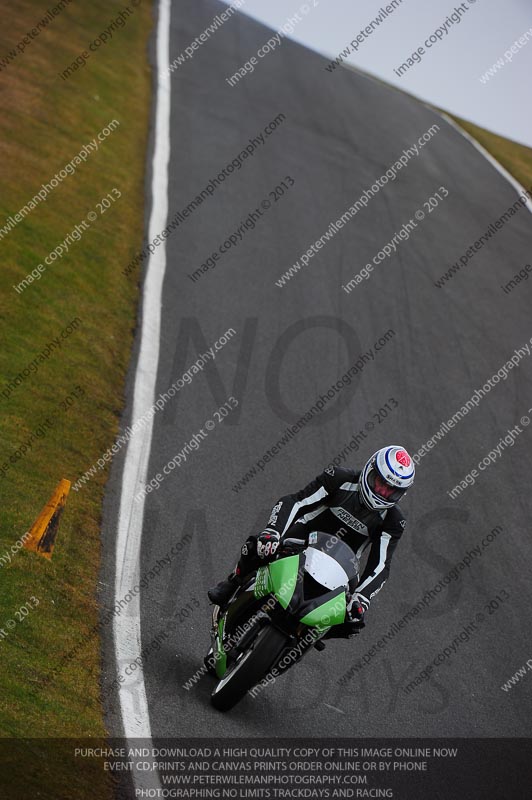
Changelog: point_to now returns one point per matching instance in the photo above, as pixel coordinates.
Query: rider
(358, 506)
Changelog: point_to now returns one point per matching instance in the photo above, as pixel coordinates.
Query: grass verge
(514, 157)
(65, 408)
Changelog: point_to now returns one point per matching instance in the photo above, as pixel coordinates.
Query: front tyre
(252, 666)
(209, 662)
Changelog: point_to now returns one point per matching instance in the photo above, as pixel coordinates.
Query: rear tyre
(249, 669)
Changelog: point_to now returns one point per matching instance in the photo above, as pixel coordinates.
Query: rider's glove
(357, 606)
(267, 544)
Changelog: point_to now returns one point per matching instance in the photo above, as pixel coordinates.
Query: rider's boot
(223, 591)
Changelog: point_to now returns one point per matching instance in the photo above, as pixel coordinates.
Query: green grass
(45, 122)
(514, 157)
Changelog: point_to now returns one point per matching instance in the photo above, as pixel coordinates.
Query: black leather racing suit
(331, 504)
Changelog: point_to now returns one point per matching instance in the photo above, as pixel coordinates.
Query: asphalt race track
(334, 135)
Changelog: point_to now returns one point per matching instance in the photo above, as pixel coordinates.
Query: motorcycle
(278, 614)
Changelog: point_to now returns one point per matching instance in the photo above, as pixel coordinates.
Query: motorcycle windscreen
(325, 569)
(335, 547)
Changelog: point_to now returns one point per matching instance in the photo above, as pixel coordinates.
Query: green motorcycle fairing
(279, 578)
(330, 613)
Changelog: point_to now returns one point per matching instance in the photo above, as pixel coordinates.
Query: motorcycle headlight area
(325, 570)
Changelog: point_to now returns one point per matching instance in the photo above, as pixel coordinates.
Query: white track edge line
(126, 628)
(493, 161)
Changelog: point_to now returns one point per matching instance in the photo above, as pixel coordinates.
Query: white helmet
(386, 477)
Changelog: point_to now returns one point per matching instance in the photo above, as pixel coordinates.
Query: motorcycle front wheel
(250, 668)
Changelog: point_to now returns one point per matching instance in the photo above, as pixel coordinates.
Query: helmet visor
(384, 490)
